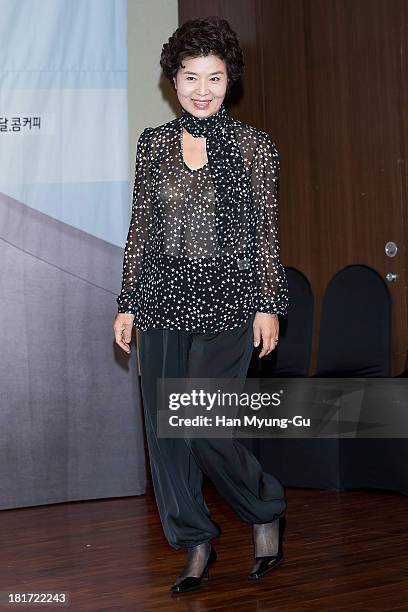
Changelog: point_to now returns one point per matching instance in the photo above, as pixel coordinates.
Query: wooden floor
(343, 551)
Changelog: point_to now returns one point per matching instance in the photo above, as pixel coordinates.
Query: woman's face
(201, 84)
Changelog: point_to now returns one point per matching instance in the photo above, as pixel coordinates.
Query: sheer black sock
(197, 558)
(266, 541)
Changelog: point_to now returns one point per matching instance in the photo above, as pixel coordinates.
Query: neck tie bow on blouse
(227, 170)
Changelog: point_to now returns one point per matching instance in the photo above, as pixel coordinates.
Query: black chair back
(355, 326)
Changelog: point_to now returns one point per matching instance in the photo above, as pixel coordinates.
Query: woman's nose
(202, 88)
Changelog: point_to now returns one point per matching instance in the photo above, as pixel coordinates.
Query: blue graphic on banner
(63, 111)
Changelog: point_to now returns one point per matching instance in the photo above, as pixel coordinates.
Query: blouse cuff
(125, 305)
(278, 306)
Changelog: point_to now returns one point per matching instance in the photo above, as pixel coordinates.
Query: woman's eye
(217, 78)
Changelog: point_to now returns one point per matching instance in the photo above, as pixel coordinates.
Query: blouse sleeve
(273, 295)
(140, 224)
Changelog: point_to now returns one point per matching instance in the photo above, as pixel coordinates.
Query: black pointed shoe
(190, 583)
(265, 564)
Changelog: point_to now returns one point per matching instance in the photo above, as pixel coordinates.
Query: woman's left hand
(266, 326)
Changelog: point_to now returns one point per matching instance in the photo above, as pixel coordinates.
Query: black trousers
(177, 464)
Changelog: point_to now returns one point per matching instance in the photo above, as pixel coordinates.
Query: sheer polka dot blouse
(175, 273)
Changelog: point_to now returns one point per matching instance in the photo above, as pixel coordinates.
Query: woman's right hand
(122, 326)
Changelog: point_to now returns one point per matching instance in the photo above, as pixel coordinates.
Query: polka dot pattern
(179, 270)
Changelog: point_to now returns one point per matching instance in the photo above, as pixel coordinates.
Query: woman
(203, 282)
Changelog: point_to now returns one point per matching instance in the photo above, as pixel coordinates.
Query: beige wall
(150, 24)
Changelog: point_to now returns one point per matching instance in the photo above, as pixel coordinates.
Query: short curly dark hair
(201, 37)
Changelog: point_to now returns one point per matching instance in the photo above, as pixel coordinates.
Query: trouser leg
(177, 478)
(256, 496)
